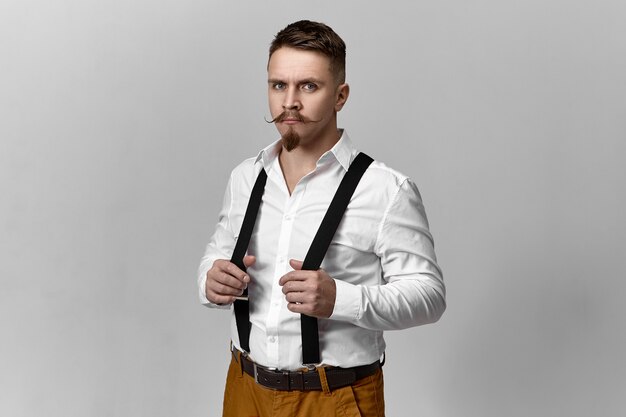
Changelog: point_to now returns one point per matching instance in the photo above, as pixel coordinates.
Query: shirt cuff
(347, 302)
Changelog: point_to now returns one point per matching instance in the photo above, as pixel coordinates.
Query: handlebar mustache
(290, 114)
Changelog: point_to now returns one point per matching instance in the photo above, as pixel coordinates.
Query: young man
(379, 273)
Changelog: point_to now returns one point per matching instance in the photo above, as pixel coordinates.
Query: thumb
(295, 264)
(249, 260)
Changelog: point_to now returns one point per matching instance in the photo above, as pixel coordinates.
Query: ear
(343, 91)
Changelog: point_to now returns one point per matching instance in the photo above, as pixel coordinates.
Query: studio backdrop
(120, 122)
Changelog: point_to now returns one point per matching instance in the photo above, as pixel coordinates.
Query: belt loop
(240, 360)
(323, 380)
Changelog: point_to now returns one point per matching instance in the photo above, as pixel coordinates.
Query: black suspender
(242, 307)
(313, 259)
(320, 244)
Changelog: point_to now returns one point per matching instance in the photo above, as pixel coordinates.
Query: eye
(278, 86)
(309, 86)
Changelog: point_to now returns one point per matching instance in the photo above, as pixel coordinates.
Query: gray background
(119, 124)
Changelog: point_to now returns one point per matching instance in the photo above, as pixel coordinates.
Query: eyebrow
(303, 81)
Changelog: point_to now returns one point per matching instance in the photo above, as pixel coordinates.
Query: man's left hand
(309, 292)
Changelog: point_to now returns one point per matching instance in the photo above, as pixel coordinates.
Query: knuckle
(237, 283)
(224, 289)
(225, 278)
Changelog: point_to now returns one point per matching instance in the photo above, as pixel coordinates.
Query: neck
(303, 159)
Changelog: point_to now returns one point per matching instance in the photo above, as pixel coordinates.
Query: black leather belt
(308, 380)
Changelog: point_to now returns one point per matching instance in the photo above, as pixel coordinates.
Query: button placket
(281, 267)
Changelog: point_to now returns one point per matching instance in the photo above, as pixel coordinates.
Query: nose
(291, 102)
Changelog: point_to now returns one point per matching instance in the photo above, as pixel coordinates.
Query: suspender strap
(242, 307)
(313, 259)
(321, 242)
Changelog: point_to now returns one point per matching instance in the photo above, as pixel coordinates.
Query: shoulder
(382, 172)
(247, 171)
(382, 188)
(244, 170)
(240, 181)
(387, 180)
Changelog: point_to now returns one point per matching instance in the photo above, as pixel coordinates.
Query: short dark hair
(314, 36)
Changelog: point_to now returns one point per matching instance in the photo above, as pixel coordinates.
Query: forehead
(288, 62)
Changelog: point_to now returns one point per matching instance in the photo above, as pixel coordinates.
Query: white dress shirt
(381, 258)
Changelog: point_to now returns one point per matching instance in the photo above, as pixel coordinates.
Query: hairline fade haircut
(317, 37)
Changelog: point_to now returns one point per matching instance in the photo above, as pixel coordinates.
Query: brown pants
(243, 397)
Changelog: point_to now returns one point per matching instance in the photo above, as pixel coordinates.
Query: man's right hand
(225, 281)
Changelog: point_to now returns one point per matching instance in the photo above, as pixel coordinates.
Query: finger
(230, 268)
(294, 286)
(219, 299)
(233, 270)
(249, 260)
(221, 289)
(225, 278)
(224, 284)
(299, 308)
(295, 276)
(296, 264)
(297, 297)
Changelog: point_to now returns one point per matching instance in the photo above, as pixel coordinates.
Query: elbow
(436, 296)
(439, 306)
(434, 303)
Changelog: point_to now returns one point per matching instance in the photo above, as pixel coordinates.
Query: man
(379, 273)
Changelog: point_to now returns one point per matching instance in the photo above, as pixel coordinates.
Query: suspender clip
(311, 366)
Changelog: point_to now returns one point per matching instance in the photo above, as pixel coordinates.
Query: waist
(306, 379)
(343, 344)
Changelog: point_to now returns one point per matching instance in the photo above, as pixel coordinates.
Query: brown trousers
(243, 397)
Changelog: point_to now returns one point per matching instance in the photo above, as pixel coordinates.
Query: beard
(290, 140)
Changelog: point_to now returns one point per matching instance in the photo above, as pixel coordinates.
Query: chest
(288, 222)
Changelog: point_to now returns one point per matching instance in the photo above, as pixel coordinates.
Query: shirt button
(272, 339)
(287, 217)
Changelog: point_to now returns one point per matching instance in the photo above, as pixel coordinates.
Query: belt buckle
(256, 376)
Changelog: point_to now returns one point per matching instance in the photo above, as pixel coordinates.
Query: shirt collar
(268, 154)
(343, 152)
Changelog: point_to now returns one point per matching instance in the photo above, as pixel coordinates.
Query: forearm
(398, 305)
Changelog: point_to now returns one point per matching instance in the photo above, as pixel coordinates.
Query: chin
(290, 140)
